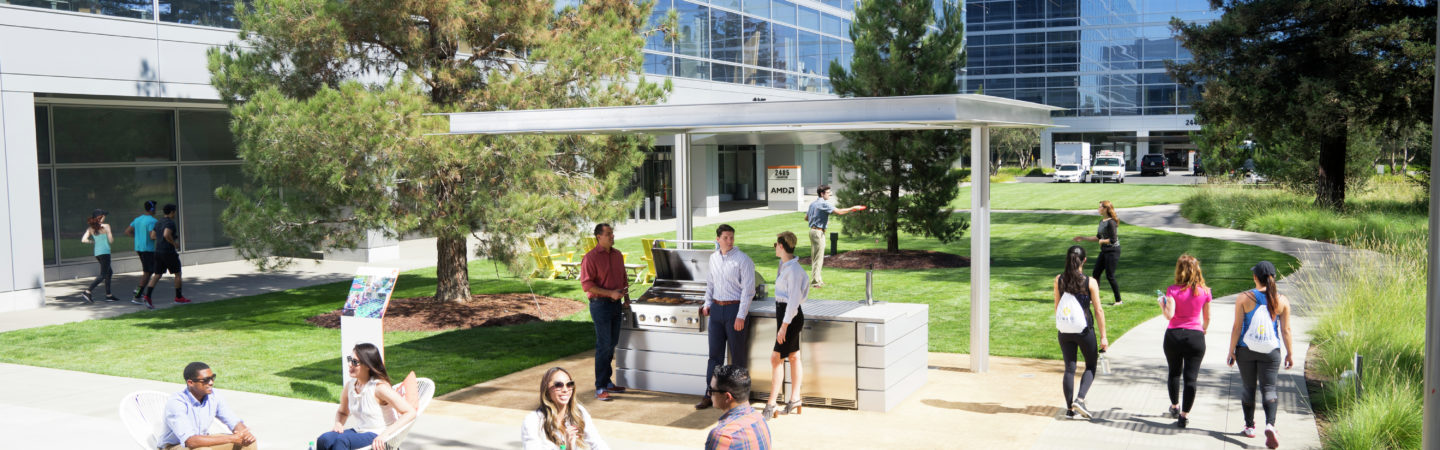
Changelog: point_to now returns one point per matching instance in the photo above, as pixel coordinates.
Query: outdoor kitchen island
(867, 357)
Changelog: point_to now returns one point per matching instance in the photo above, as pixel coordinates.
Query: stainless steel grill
(673, 302)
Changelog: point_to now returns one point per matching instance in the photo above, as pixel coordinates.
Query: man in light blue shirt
(819, 217)
(728, 291)
(190, 412)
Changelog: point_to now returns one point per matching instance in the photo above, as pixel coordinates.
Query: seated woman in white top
(560, 420)
(371, 401)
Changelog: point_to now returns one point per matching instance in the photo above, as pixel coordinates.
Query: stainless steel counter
(854, 356)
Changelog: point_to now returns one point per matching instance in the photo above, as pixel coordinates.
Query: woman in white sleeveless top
(370, 401)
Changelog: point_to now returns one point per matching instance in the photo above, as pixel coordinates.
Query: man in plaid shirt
(741, 428)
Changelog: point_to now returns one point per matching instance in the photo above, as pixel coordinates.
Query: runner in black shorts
(167, 254)
(143, 229)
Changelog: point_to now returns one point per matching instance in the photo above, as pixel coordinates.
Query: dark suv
(1154, 163)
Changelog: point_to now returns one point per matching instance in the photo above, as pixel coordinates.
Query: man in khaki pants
(819, 217)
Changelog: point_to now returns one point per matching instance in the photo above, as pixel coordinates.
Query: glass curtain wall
(210, 13)
(767, 43)
(1095, 57)
(116, 158)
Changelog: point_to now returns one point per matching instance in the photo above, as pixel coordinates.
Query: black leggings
(1184, 349)
(1085, 342)
(1106, 265)
(1258, 368)
(105, 274)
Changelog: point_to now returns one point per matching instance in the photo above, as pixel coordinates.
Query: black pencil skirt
(792, 334)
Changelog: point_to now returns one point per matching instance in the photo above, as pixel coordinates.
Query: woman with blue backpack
(1075, 296)
(1262, 319)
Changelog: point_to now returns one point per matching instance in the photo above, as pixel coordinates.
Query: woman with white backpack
(1074, 295)
(1262, 319)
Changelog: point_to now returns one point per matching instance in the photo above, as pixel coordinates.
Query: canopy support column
(980, 249)
(1430, 430)
(684, 215)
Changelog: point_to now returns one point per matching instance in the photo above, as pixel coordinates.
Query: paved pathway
(226, 280)
(63, 409)
(1131, 402)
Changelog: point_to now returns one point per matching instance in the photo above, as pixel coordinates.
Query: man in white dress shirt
(728, 292)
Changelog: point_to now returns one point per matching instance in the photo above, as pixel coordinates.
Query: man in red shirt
(602, 276)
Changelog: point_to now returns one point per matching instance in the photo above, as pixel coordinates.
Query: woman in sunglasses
(369, 400)
(560, 421)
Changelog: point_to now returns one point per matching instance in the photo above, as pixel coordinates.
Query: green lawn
(1065, 196)
(262, 343)
(1027, 250)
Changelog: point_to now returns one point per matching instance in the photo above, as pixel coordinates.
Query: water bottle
(312, 445)
(1160, 297)
(1104, 364)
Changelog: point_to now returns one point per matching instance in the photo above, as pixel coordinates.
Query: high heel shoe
(792, 407)
(770, 411)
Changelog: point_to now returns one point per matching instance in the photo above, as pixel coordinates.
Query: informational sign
(783, 188)
(362, 317)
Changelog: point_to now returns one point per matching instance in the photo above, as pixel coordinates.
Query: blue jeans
(606, 315)
(344, 441)
(723, 335)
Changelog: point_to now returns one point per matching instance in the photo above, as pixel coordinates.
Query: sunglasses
(207, 380)
(353, 362)
(566, 385)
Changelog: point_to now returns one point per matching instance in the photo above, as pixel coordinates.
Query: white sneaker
(1079, 408)
(1272, 439)
(1248, 432)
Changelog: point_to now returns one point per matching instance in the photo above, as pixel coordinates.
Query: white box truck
(1072, 162)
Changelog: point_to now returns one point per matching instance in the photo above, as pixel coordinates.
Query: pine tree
(1315, 73)
(903, 176)
(329, 98)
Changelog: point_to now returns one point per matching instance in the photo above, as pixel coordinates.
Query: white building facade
(107, 104)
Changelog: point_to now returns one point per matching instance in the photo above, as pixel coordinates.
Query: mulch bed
(488, 310)
(882, 260)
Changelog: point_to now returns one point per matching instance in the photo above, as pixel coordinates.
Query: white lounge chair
(426, 387)
(143, 414)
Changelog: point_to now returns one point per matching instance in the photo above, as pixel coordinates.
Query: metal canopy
(927, 112)
(842, 114)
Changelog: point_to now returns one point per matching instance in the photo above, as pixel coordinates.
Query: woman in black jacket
(1108, 237)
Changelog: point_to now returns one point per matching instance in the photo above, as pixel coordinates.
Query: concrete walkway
(1015, 406)
(1131, 402)
(226, 280)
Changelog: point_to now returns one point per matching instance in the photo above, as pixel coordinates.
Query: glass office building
(1104, 60)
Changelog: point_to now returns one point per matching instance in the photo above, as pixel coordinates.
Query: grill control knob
(673, 319)
(689, 320)
(640, 318)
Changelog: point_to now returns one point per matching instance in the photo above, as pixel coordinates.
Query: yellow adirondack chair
(546, 265)
(649, 274)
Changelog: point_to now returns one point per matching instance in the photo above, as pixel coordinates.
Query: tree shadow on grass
(290, 308)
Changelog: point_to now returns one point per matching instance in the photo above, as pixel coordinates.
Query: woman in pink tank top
(1187, 305)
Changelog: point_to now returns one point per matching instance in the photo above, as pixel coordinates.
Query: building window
(113, 135)
(116, 158)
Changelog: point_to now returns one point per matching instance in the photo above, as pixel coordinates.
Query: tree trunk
(1330, 185)
(452, 271)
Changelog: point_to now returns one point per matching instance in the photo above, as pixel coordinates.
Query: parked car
(1071, 173)
(1154, 163)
